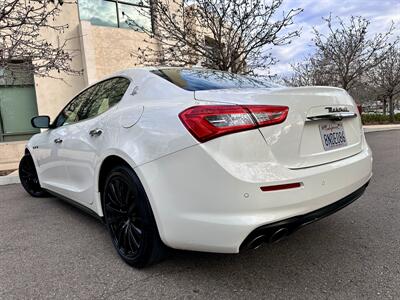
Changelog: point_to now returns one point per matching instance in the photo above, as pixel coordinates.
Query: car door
(50, 164)
(49, 150)
(87, 138)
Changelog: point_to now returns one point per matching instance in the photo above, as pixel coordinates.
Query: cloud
(380, 13)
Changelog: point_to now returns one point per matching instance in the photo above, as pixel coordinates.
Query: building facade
(102, 44)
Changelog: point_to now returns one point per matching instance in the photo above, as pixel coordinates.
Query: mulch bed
(6, 172)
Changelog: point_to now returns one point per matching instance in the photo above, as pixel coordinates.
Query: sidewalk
(13, 177)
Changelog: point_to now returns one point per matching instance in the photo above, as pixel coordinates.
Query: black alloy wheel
(29, 178)
(130, 220)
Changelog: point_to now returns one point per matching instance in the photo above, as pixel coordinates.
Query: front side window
(70, 114)
(93, 101)
(113, 13)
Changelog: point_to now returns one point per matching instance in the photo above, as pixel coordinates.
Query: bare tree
(349, 52)
(220, 34)
(22, 48)
(385, 79)
(312, 71)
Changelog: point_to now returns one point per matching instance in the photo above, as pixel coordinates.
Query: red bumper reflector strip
(280, 187)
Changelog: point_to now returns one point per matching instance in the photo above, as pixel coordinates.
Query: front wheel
(29, 178)
(130, 220)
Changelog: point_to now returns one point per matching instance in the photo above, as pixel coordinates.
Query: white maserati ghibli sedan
(199, 159)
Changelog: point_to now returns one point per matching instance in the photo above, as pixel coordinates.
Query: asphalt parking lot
(49, 249)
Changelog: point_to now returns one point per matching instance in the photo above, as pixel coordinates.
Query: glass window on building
(113, 13)
(17, 103)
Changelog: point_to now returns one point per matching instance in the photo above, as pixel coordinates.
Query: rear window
(202, 79)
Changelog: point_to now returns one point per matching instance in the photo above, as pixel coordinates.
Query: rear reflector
(206, 122)
(280, 187)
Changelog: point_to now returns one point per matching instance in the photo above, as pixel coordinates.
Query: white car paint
(206, 196)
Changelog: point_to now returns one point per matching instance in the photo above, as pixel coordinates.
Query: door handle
(95, 132)
(58, 141)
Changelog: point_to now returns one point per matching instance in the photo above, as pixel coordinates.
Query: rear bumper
(274, 231)
(205, 203)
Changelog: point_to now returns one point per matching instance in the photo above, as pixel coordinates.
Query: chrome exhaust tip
(278, 235)
(256, 242)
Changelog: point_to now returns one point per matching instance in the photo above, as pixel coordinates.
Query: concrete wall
(107, 50)
(53, 94)
(10, 154)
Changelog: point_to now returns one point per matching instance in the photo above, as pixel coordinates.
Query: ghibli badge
(337, 109)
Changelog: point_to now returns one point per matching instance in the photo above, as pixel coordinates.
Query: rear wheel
(130, 220)
(29, 178)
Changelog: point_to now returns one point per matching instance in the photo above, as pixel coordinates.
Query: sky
(380, 13)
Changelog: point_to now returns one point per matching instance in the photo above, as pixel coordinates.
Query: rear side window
(203, 79)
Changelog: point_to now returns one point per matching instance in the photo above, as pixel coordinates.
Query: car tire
(29, 178)
(130, 220)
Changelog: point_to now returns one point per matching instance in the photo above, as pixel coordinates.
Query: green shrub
(378, 119)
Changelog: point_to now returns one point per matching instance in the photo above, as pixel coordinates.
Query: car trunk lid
(322, 125)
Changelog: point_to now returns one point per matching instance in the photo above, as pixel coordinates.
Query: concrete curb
(9, 179)
(375, 128)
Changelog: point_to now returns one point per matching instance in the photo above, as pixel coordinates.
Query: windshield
(203, 79)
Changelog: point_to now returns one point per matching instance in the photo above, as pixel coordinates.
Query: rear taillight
(206, 122)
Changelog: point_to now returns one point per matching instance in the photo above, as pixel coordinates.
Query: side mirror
(41, 122)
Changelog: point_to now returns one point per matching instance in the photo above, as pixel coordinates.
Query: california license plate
(332, 135)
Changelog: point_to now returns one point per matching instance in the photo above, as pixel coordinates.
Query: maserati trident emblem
(337, 109)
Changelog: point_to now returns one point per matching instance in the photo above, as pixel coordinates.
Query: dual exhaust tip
(275, 237)
(272, 233)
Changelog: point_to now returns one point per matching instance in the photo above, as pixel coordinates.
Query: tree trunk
(384, 107)
(391, 109)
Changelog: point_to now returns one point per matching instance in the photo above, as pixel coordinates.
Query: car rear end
(265, 162)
